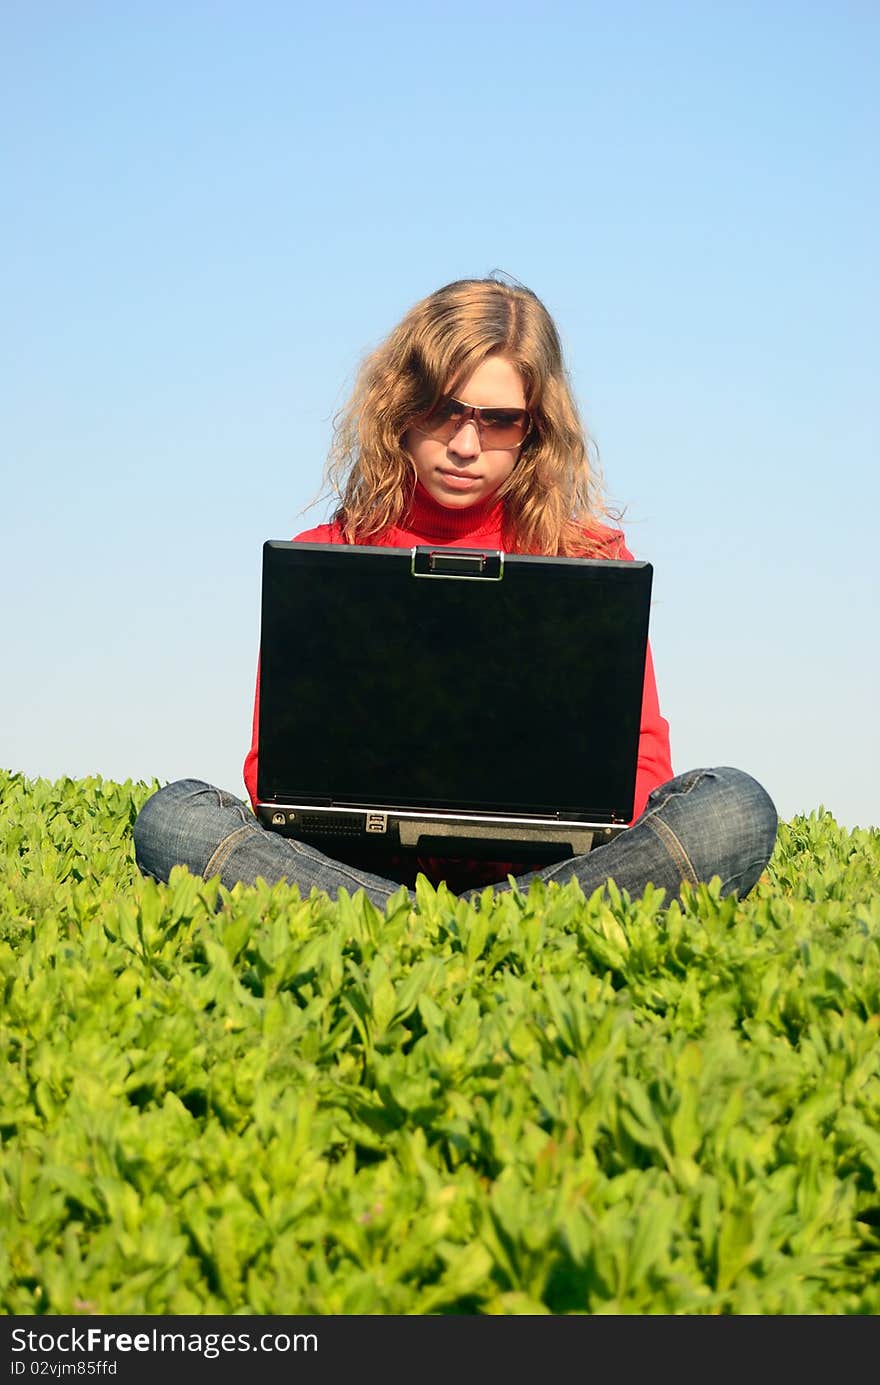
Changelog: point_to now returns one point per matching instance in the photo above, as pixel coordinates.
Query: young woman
(462, 430)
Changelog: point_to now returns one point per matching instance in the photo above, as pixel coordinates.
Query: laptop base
(539, 843)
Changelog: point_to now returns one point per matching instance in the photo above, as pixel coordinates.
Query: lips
(459, 478)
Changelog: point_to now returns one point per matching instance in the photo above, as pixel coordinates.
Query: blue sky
(210, 212)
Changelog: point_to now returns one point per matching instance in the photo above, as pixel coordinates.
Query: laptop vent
(329, 824)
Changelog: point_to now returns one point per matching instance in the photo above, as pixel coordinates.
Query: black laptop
(449, 701)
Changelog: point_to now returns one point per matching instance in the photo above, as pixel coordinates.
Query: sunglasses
(496, 426)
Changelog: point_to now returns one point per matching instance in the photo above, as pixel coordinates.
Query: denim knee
(750, 808)
(177, 825)
(725, 821)
(163, 804)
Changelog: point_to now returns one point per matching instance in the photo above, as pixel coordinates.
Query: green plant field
(245, 1102)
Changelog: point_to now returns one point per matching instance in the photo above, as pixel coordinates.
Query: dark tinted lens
(444, 420)
(503, 427)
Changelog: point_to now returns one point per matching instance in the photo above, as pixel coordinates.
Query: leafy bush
(246, 1102)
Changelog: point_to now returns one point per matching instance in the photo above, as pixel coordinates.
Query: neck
(442, 524)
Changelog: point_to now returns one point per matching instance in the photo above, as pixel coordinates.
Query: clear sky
(210, 211)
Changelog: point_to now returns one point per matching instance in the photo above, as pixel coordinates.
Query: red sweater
(479, 526)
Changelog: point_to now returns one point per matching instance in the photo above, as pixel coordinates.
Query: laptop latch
(457, 562)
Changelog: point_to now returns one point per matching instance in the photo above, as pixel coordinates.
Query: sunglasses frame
(473, 413)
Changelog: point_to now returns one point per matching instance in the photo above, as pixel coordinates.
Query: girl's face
(459, 473)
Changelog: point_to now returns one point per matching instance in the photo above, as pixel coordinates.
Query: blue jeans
(704, 823)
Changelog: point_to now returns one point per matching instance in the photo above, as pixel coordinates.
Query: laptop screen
(517, 692)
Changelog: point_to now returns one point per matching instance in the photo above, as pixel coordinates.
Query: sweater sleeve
(249, 772)
(655, 761)
(654, 765)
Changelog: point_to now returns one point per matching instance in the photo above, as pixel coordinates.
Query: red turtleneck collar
(428, 522)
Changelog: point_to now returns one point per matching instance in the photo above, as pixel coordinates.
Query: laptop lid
(416, 697)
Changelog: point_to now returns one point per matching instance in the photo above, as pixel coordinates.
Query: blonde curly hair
(553, 497)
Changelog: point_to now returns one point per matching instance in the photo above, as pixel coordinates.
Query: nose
(466, 442)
